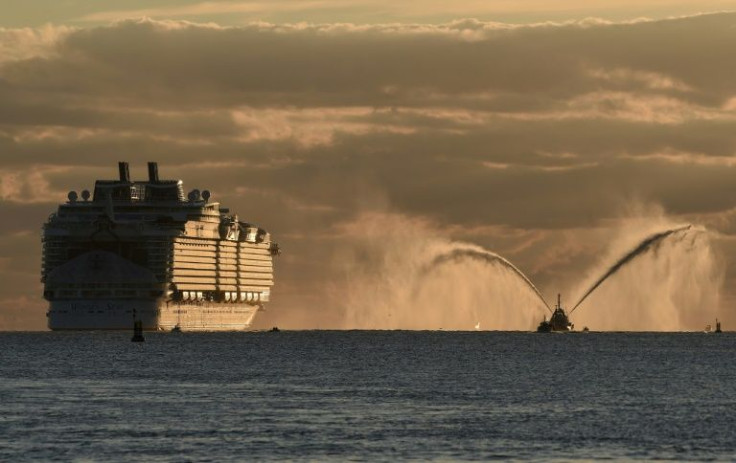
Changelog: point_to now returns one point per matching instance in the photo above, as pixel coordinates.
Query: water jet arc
(641, 248)
(483, 256)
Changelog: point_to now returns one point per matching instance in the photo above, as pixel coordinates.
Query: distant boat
(557, 322)
(709, 329)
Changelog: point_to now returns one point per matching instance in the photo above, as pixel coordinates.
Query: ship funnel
(153, 172)
(124, 172)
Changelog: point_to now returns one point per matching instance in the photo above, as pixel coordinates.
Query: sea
(367, 396)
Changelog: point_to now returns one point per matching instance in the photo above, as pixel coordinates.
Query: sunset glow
(555, 134)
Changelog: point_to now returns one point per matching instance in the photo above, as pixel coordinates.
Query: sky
(84, 13)
(368, 136)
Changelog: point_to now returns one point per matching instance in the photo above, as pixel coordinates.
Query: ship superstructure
(145, 250)
(559, 320)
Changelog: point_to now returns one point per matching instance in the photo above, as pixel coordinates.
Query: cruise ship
(146, 251)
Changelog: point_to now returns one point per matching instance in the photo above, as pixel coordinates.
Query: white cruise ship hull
(111, 314)
(142, 250)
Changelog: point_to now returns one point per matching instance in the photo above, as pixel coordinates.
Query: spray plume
(401, 273)
(457, 255)
(647, 244)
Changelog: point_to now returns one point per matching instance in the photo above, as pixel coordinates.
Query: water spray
(647, 244)
(424, 282)
(456, 255)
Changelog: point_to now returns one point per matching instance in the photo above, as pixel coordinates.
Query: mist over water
(671, 281)
(401, 274)
(460, 254)
(650, 243)
(404, 276)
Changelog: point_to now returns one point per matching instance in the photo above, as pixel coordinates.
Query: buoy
(138, 331)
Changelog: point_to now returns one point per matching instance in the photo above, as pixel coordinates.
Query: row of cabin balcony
(103, 293)
(184, 296)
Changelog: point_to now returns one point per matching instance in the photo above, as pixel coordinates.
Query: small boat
(557, 322)
(544, 327)
(176, 329)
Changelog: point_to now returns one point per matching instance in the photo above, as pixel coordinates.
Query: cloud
(26, 43)
(309, 127)
(209, 8)
(28, 186)
(183, 63)
(650, 80)
(527, 140)
(372, 10)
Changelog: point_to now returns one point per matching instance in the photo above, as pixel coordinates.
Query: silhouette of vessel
(181, 262)
(709, 329)
(557, 322)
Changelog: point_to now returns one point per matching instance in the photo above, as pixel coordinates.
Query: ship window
(138, 192)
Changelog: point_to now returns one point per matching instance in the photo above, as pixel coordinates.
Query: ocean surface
(367, 396)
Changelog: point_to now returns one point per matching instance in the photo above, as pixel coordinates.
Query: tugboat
(557, 322)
